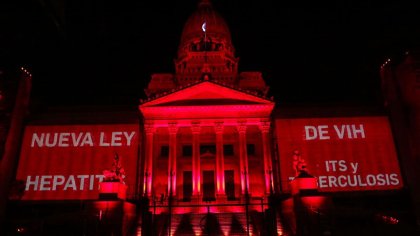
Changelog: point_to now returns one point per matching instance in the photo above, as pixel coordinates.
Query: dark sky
(103, 52)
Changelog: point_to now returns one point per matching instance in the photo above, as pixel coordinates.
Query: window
(208, 149)
(250, 148)
(187, 150)
(228, 150)
(164, 151)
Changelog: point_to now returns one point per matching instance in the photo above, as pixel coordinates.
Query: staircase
(191, 224)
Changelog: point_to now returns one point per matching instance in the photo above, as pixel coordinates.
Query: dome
(215, 26)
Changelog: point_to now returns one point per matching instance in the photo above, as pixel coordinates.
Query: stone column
(148, 164)
(268, 168)
(173, 129)
(243, 157)
(196, 170)
(220, 162)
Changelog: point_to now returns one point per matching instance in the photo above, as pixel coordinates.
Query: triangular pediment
(206, 93)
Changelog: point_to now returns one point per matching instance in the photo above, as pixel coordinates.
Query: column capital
(218, 127)
(241, 126)
(264, 126)
(149, 128)
(195, 127)
(173, 127)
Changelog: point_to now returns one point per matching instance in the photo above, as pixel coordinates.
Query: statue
(302, 180)
(299, 164)
(116, 173)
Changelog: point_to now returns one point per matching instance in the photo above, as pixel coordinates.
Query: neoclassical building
(207, 123)
(208, 152)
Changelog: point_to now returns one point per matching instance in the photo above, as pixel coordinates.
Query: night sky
(103, 52)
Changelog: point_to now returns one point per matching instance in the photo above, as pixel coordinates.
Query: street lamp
(270, 173)
(245, 173)
(146, 183)
(171, 174)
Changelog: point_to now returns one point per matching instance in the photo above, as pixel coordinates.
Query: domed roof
(215, 25)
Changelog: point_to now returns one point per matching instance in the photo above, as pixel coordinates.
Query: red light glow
(192, 102)
(345, 154)
(67, 162)
(387, 219)
(314, 202)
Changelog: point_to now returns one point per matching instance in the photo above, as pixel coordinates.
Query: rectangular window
(228, 150)
(164, 151)
(250, 149)
(211, 148)
(187, 150)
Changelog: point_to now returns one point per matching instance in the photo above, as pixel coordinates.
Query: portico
(194, 145)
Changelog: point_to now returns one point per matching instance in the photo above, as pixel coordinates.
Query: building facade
(207, 127)
(209, 153)
(401, 91)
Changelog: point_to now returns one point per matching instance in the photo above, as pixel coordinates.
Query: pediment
(207, 93)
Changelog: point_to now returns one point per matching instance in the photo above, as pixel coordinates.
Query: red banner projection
(345, 154)
(67, 162)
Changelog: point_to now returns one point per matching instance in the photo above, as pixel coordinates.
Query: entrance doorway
(187, 186)
(230, 184)
(208, 186)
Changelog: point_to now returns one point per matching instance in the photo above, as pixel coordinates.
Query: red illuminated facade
(207, 127)
(401, 91)
(15, 90)
(208, 153)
